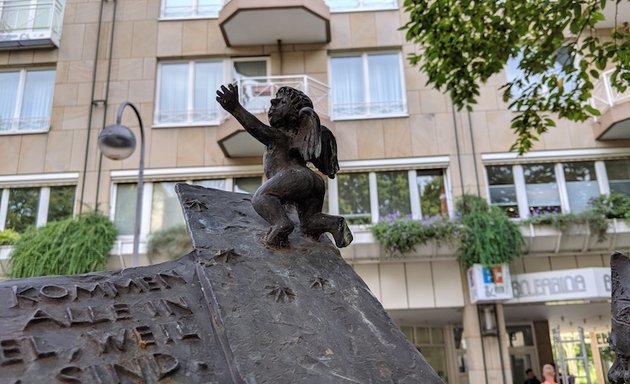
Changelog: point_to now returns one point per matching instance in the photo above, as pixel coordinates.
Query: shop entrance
(523, 353)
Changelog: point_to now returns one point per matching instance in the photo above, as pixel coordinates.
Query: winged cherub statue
(294, 138)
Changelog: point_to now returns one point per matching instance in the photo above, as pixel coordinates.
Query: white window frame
(179, 175)
(521, 191)
(194, 12)
(361, 7)
(414, 194)
(7, 184)
(366, 84)
(190, 94)
(17, 118)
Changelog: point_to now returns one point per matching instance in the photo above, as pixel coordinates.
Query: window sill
(11, 133)
(186, 125)
(184, 18)
(374, 117)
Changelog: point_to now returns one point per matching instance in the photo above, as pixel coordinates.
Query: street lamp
(117, 142)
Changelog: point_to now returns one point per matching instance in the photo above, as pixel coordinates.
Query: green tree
(464, 42)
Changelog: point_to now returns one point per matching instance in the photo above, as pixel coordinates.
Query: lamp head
(117, 142)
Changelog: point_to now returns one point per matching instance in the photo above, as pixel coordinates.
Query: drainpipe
(105, 102)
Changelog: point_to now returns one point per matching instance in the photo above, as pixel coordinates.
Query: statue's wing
(316, 143)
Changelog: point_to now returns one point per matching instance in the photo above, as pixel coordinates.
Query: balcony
(260, 22)
(30, 23)
(255, 95)
(614, 122)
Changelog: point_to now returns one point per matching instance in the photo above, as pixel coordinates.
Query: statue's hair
(298, 98)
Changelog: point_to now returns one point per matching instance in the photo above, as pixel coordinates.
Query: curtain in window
(37, 100)
(209, 7)
(208, 78)
(173, 93)
(8, 97)
(166, 211)
(385, 85)
(347, 86)
(125, 210)
(177, 8)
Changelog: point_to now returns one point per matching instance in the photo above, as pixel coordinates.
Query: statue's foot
(278, 236)
(341, 233)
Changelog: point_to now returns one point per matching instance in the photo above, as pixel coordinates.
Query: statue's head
(619, 372)
(286, 106)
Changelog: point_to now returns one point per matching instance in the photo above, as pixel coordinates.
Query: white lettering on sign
(568, 284)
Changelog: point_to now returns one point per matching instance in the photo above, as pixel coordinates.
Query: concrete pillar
(485, 349)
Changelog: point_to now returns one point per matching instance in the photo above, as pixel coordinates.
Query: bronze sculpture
(619, 372)
(293, 138)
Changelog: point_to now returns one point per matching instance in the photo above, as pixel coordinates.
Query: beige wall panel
(293, 63)
(128, 69)
(10, 150)
(72, 42)
(445, 133)
(516, 266)
(87, 12)
(423, 135)
(80, 71)
(362, 29)
(370, 275)
(195, 37)
(387, 24)
(393, 285)
(212, 152)
(144, 41)
(432, 101)
(21, 57)
(169, 42)
(586, 261)
(481, 133)
(347, 141)
(370, 140)
(420, 285)
(141, 91)
(163, 151)
(77, 158)
(45, 55)
(132, 10)
(65, 95)
(397, 137)
(413, 102)
(340, 30)
(316, 62)
(58, 151)
(32, 153)
(563, 262)
(536, 264)
(190, 147)
(447, 284)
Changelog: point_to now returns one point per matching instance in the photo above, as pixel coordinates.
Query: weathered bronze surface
(619, 372)
(232, 311)
(293, 138)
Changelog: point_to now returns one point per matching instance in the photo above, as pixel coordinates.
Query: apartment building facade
(65, 66)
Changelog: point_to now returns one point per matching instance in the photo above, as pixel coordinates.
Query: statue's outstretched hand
(228, 97)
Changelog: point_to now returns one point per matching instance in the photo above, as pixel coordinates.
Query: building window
(164, 210)
(619, 175)
(26, 100)
(367, 85)
(35, 206)
(354, 197)
(430, 342)
(581, 182)
(367, 197)
(174, 9)
(541, 188)
(502, 189)
(186, 93)
(360, 5)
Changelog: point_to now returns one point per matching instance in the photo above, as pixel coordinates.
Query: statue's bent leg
(313, 222)
(267, 203)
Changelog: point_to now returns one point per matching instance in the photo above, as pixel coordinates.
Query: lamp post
(117, 142)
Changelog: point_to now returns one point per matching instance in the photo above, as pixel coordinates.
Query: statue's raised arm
(227, 97)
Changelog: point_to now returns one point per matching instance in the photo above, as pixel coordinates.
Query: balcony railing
(605, 95)
(30, 23)
(256, 92)
(24, 124)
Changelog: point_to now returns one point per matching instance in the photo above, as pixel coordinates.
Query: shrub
(401, 235)
(488, 236)
(8, 237)
(66, 247)
(169, 243)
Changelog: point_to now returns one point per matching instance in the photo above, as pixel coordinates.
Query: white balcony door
(256, 93)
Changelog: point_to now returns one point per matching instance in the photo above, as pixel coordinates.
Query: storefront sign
(568, 284)
(489, 284)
